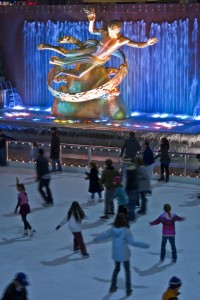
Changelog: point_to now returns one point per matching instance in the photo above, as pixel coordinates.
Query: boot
(167, 179)
(161, 178)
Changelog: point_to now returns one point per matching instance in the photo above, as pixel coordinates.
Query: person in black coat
(149, 162)
(131, 146)
(94, 182)
(16, 290)
(55, 150)
(43, 176)
(164, 159)
(3, 139)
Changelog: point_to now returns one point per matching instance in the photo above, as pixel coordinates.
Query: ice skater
(94, 183)
(121, 236)
(173, 290)
(168, 219)
(74, 218)
(24, 207)
(120, 194)
(16, 290)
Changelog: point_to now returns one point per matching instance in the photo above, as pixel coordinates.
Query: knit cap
(175, 283)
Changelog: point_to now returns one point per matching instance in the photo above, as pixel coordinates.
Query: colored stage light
(135, 113)
(164, 116)
(155, 116)
(19, 107)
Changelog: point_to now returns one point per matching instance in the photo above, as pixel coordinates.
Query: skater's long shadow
(14, 240)
(192, 203)
(12, 214)
(60, 261)
(38, 208)
(157, 268)
(92, 225)
(71, 247)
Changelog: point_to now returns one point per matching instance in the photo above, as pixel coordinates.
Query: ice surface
(56, 273)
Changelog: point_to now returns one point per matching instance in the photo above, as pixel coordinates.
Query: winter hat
(21, 278)
(175, 283)
(54, 128)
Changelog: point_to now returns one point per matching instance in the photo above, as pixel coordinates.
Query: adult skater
(43, 177)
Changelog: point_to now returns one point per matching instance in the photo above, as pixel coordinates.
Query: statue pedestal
(113, 108)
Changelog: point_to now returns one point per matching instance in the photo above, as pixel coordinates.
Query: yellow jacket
(170, 294)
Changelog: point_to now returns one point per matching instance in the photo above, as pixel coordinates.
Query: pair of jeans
(54, 161)
(109, 205)
(26, 223)
(132, 200)
(143, 201)
(163, 246)
(127, 274)
(164, 168)
(44, 183)
(79, 243)
(92, 195)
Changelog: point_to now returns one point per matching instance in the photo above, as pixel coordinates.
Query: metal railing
(182, 164)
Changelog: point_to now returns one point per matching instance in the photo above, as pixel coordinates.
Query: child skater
(74, 218)
(120, 194)
(121, 236)
(173, 289)
(168, 219)
(24, 207)
(94, 182)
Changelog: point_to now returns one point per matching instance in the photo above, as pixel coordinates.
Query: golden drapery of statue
(90, 90)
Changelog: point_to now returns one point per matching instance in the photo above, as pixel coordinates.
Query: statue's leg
(58, 49)
(55, 60)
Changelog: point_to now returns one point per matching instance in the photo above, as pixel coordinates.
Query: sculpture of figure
(90, 79)
(98, 54)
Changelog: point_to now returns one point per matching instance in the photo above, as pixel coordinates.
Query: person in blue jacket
(121, 237)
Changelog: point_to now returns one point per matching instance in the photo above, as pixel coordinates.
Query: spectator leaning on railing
(3, 139)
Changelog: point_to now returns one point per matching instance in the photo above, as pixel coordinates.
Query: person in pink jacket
(168, 219)
(24, 210)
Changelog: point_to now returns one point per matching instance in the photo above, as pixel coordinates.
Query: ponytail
(167, 209)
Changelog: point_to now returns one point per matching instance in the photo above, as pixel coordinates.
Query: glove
(57, 227)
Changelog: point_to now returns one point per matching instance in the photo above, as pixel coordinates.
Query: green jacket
(107, 178)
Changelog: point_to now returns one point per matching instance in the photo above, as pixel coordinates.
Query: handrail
(181, 163)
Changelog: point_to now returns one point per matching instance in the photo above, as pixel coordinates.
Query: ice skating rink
(56, 273)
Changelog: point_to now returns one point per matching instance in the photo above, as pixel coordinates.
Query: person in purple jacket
(168, 219)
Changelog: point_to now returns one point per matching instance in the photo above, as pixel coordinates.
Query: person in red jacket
(168, 219)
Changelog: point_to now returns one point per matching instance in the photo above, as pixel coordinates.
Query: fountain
(163, 78)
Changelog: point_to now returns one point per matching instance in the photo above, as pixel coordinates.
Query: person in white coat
(74, 218)
(143, 185)
(121, 237)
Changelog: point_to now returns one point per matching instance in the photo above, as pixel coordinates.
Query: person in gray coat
(121, 237)
(143, 184)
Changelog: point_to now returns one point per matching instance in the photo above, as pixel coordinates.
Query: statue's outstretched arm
(149, 42)
(91, 18)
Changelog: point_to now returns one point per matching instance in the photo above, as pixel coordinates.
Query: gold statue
(89, 60)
